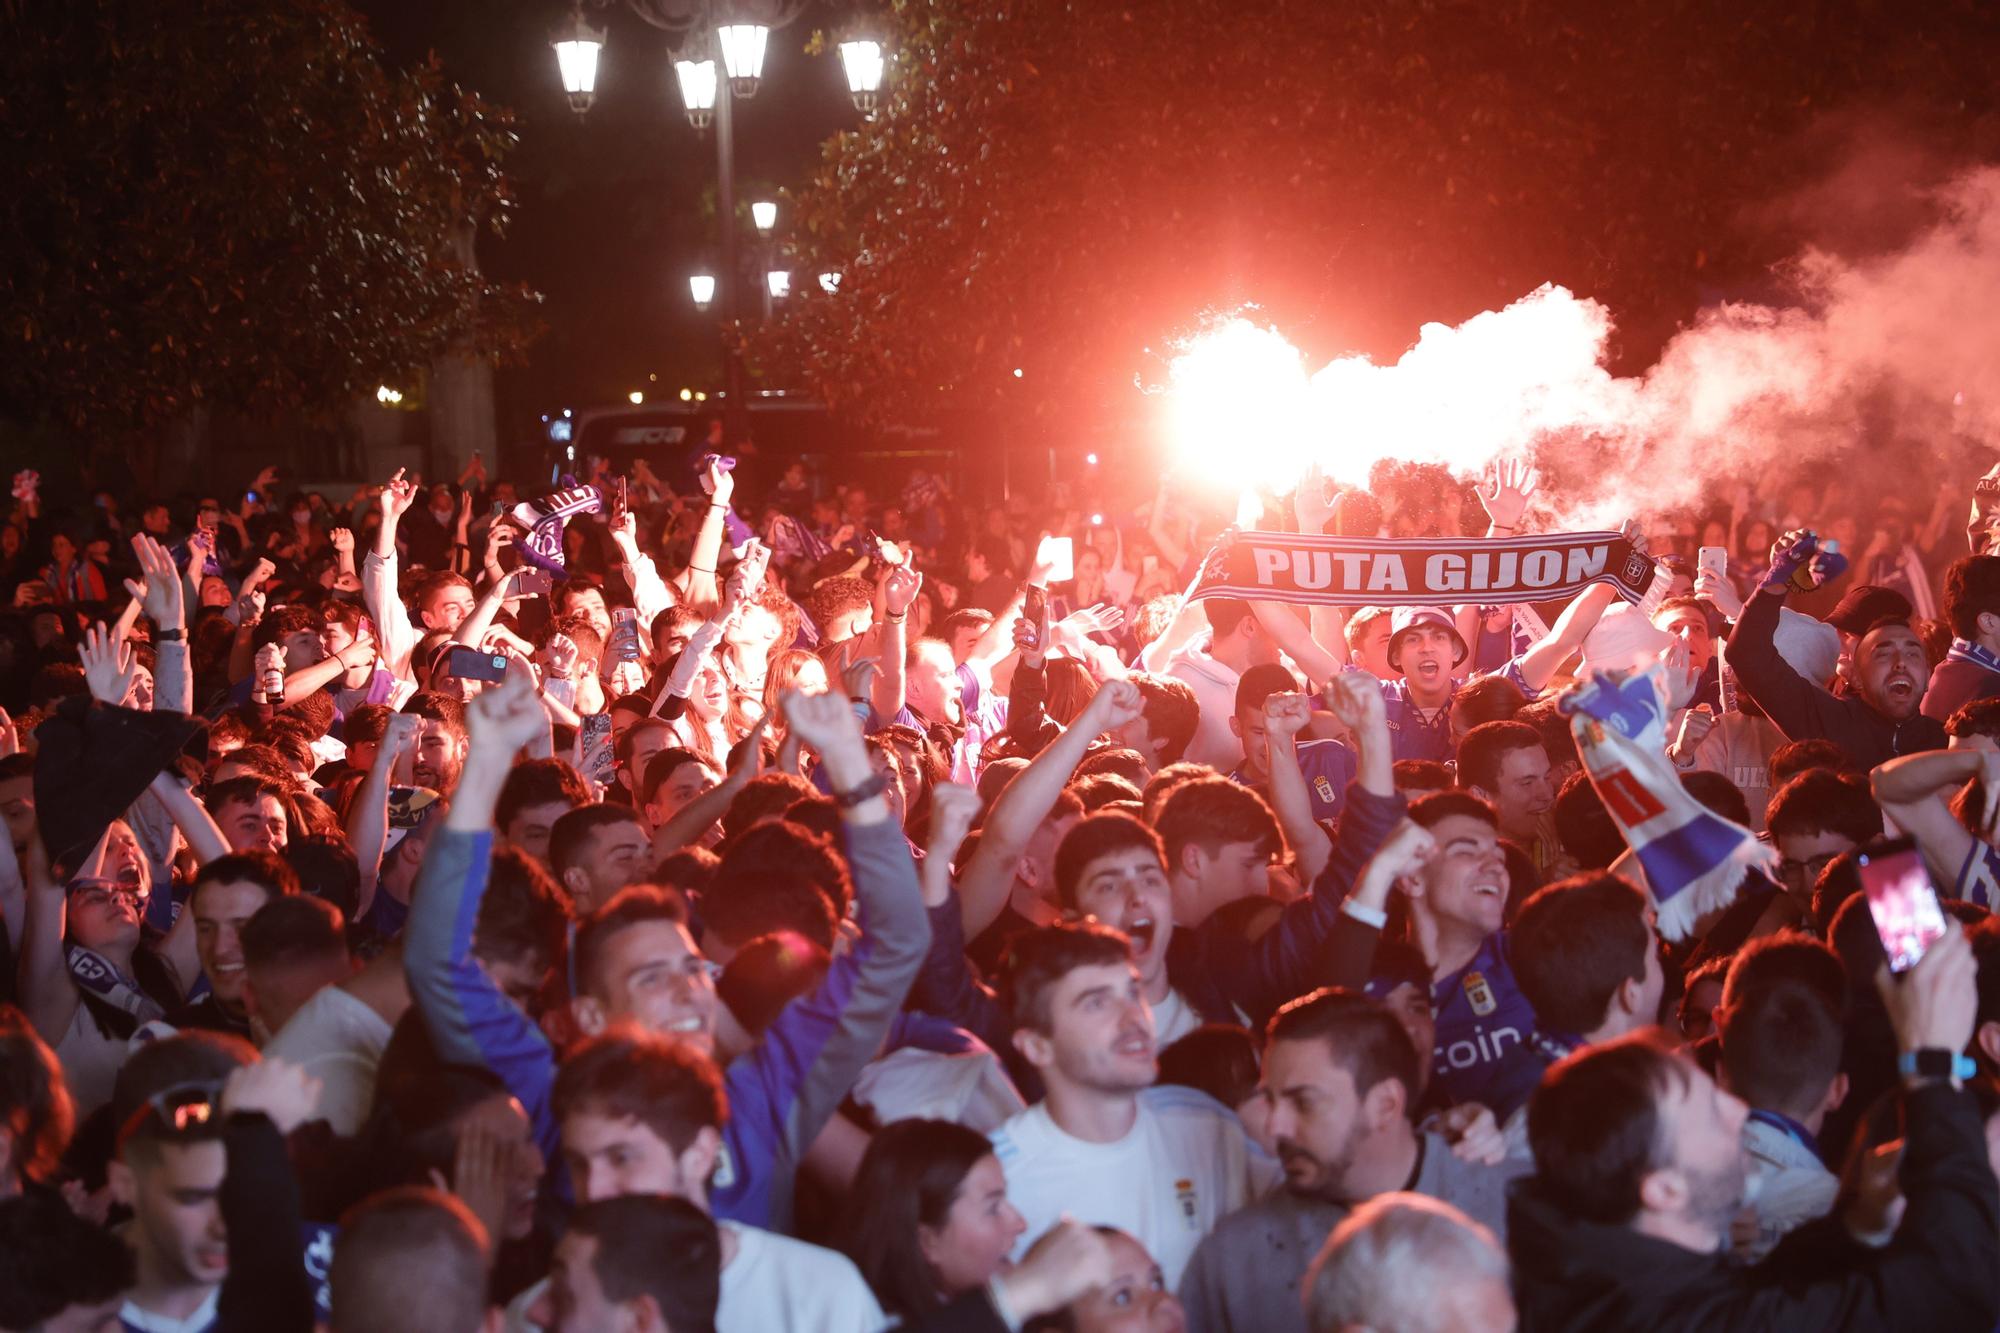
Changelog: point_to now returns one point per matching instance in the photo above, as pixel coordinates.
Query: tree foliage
(1059, 185)
(233, 203)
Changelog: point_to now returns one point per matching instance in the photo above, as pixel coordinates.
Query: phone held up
(1908, 917)
(471, 664)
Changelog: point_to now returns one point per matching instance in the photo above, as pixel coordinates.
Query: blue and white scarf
(544, 520)
(1693, 858)
(1963, 650)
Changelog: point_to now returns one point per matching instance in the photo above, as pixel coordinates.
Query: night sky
(616, 209)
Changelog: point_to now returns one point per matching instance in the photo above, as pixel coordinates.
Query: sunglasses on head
(183, 1109)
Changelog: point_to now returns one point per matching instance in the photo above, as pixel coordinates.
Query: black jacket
(1936, 1275)
(1804, 711)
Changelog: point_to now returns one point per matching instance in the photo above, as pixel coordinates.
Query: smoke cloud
(1878, 369)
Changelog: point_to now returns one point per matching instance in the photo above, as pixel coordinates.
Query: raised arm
(694, 819)
(1320, 663)
(650, 594)
(1796, 706)
(368, 817)
(471, 631)
(1027, 800)
(1285, 716)
(1915, 791)
(469, 1018)
(378, 579)
(157, 591)
(699, 584)
(1540, 663)
(191, 817)
(812, 1054)
(887, 693)
(48, 995)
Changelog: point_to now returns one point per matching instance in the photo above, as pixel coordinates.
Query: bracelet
(169, 636)
(876, 784)
(896, 620)
(713, 505)
(699, 570)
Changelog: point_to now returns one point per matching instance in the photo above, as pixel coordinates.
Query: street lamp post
(718, 60)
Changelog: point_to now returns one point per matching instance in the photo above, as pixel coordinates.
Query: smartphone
(249, 497)
(1905, 907)
(1714, 559)
(1059, 554)
(533, 583)
(1035, 604)
(471, 664)
(624, 643)
(595, 755)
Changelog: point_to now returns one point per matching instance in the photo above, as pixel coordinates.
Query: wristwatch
(1936, 1062)
(169, 635)
(877, 783)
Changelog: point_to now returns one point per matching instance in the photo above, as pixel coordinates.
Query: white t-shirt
(1184, 1166)
(340, 1041)
(773, 1284)
(779, 1285)
(1173, 1018)
(1214, 686)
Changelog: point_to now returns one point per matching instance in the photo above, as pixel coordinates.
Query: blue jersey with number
(1484, 1050)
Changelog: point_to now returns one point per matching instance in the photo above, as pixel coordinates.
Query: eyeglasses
(184, 1108)
(102, 892)
(1803, 874)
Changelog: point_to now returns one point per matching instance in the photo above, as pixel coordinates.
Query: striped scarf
(1693, 858)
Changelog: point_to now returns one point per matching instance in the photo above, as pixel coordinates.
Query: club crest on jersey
(1479, 994)
(1324, 788)
(1184, 1192)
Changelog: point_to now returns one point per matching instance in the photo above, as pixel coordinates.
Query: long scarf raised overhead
(1442, 571)
(1694, 859)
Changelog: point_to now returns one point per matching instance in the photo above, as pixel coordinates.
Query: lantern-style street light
(717, 50)
(697, 84)
(861, 59)
(577, 48)
(743, 55)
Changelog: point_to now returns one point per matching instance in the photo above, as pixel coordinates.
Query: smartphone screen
(471, 664)
(1059, 554)
(595, 755)
(1713, 558)
(624, 643)
(1902, 902)
(1035, 604)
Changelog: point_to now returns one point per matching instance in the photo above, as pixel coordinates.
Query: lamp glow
(779, 283)
(862, 62)
(697, 84)
(577, 48)
(764, 215)
(829, 283)
(636, 397)
(701, 286)
(743, 55)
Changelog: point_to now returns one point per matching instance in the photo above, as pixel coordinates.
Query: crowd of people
(755, 903)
